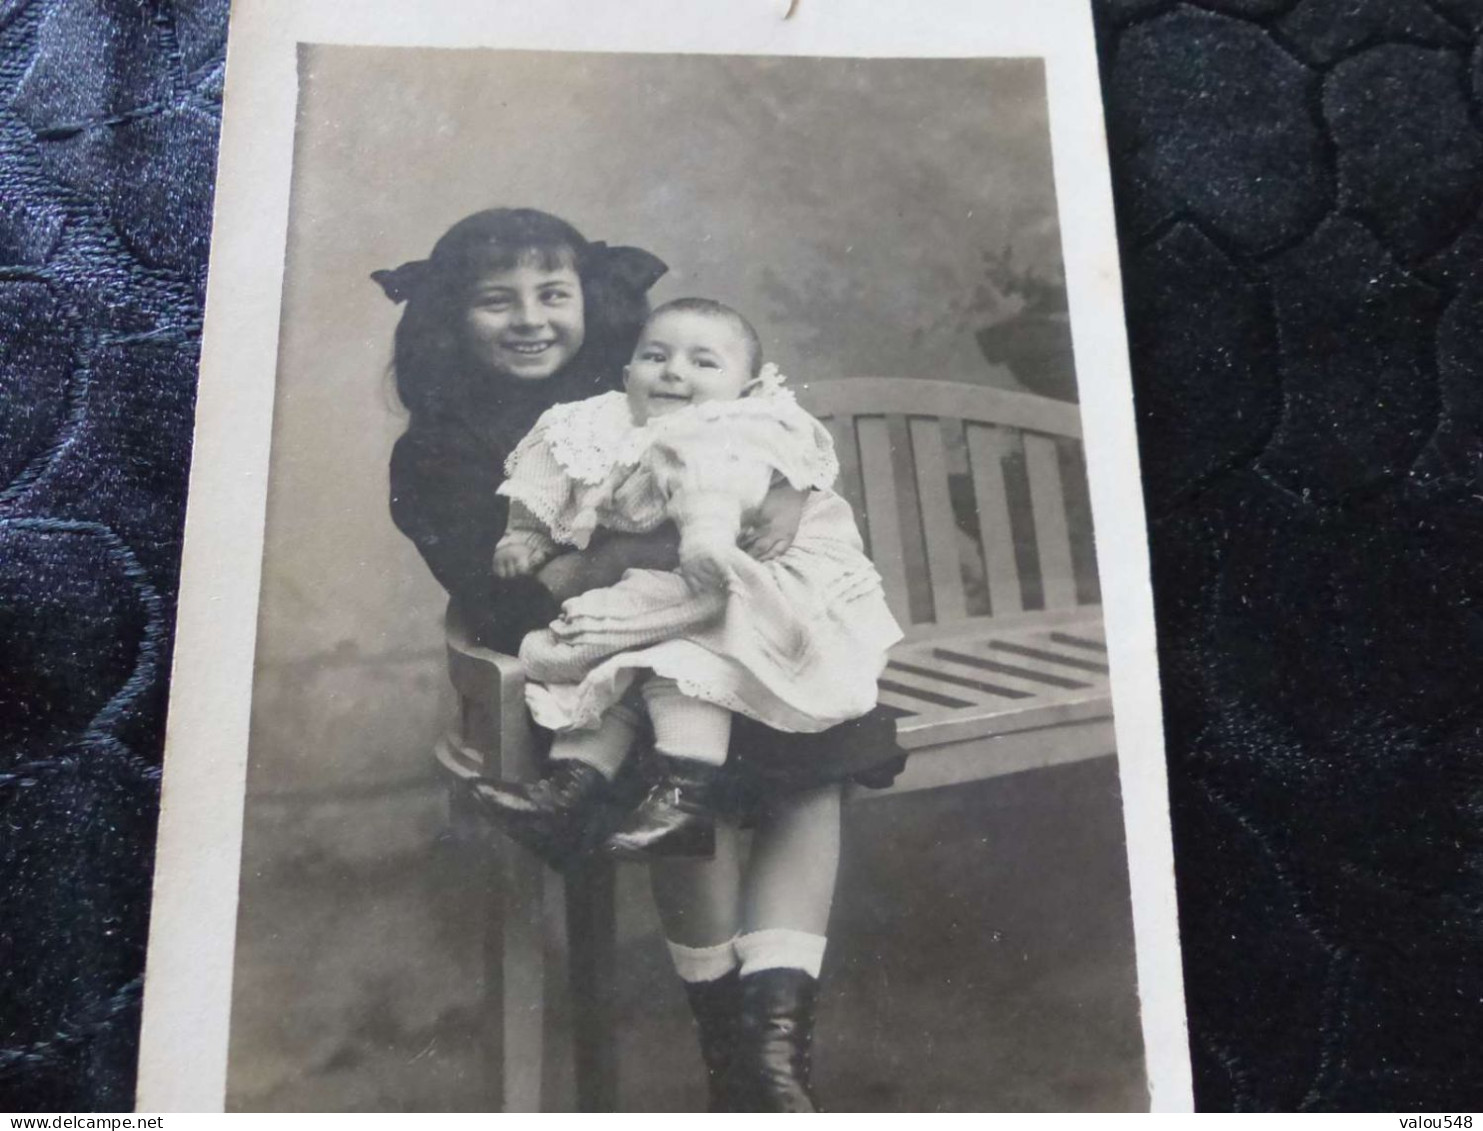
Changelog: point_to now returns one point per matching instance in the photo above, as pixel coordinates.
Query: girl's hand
(565, 576)
(775, 525)
(516, 560)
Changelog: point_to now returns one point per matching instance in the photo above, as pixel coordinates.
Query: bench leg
(535, 1049)
(592, 952)
(546, 1044)
(515, 979)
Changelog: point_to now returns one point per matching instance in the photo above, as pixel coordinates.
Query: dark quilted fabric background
(1299, 185)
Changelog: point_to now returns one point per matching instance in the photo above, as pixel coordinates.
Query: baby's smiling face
(686, 357)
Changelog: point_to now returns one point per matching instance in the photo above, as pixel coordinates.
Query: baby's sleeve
(710, 480)
(525, 529)
(538, 488)
(801, 450)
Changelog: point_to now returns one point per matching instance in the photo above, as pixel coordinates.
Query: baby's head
(691, 351)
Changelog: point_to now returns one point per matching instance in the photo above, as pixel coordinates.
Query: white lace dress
(796, 643)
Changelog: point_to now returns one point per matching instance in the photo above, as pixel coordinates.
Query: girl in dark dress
(513, 312)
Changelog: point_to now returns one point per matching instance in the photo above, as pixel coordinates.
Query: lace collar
(589, 438)
(586, 436)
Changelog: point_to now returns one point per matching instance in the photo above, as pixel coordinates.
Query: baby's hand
(703, 567)
(516, 560)
(774, 526)
(766, 545)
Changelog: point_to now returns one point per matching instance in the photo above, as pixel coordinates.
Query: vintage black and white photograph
(694, 561)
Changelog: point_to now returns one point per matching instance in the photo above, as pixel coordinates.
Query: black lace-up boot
(716, 1005)
(774, 1045)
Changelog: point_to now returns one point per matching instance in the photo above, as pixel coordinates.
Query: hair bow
(401, 283)
(632, 266)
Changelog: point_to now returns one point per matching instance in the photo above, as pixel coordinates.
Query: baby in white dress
(793, 634)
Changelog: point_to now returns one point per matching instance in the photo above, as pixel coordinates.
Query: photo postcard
(665, 619)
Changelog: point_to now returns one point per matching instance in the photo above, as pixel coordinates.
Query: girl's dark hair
(434, 374)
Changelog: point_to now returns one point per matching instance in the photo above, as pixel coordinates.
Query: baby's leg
(684, 727)
(554, 816)
(646, 607)
(698, 899)
(677, 816)
(604, 749)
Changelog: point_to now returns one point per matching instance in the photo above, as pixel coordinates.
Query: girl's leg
(795, 860)
(787, 894)
(699, 904)
(699, 900)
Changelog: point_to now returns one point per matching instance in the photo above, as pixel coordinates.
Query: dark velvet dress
(444, 471)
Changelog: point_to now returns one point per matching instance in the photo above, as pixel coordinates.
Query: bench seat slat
(985, 722)
(951, 762)
(1090, 646)
(1065, 667)
(942, 692)
(1055, 656)
(1010, 673)
(963, 675)
(988, 658)
(1090, 633)
(897, 701)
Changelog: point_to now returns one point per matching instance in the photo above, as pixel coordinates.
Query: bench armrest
(494, 737)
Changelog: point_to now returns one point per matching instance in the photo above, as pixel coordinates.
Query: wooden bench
(970, 500)
(942, 476)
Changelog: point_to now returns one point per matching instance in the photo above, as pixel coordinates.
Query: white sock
(685, 727)
(604, 749)
(781, 948)
(703, 963)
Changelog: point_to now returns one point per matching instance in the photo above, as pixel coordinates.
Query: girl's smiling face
(526, 321)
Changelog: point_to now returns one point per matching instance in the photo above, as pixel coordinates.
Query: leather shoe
(555, 816)
(675, 818)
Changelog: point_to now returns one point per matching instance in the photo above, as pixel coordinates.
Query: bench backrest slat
(988, 447)
(939, 528)
(847, 450)
(1052, 537)
(883, 511)
(1010, 457)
